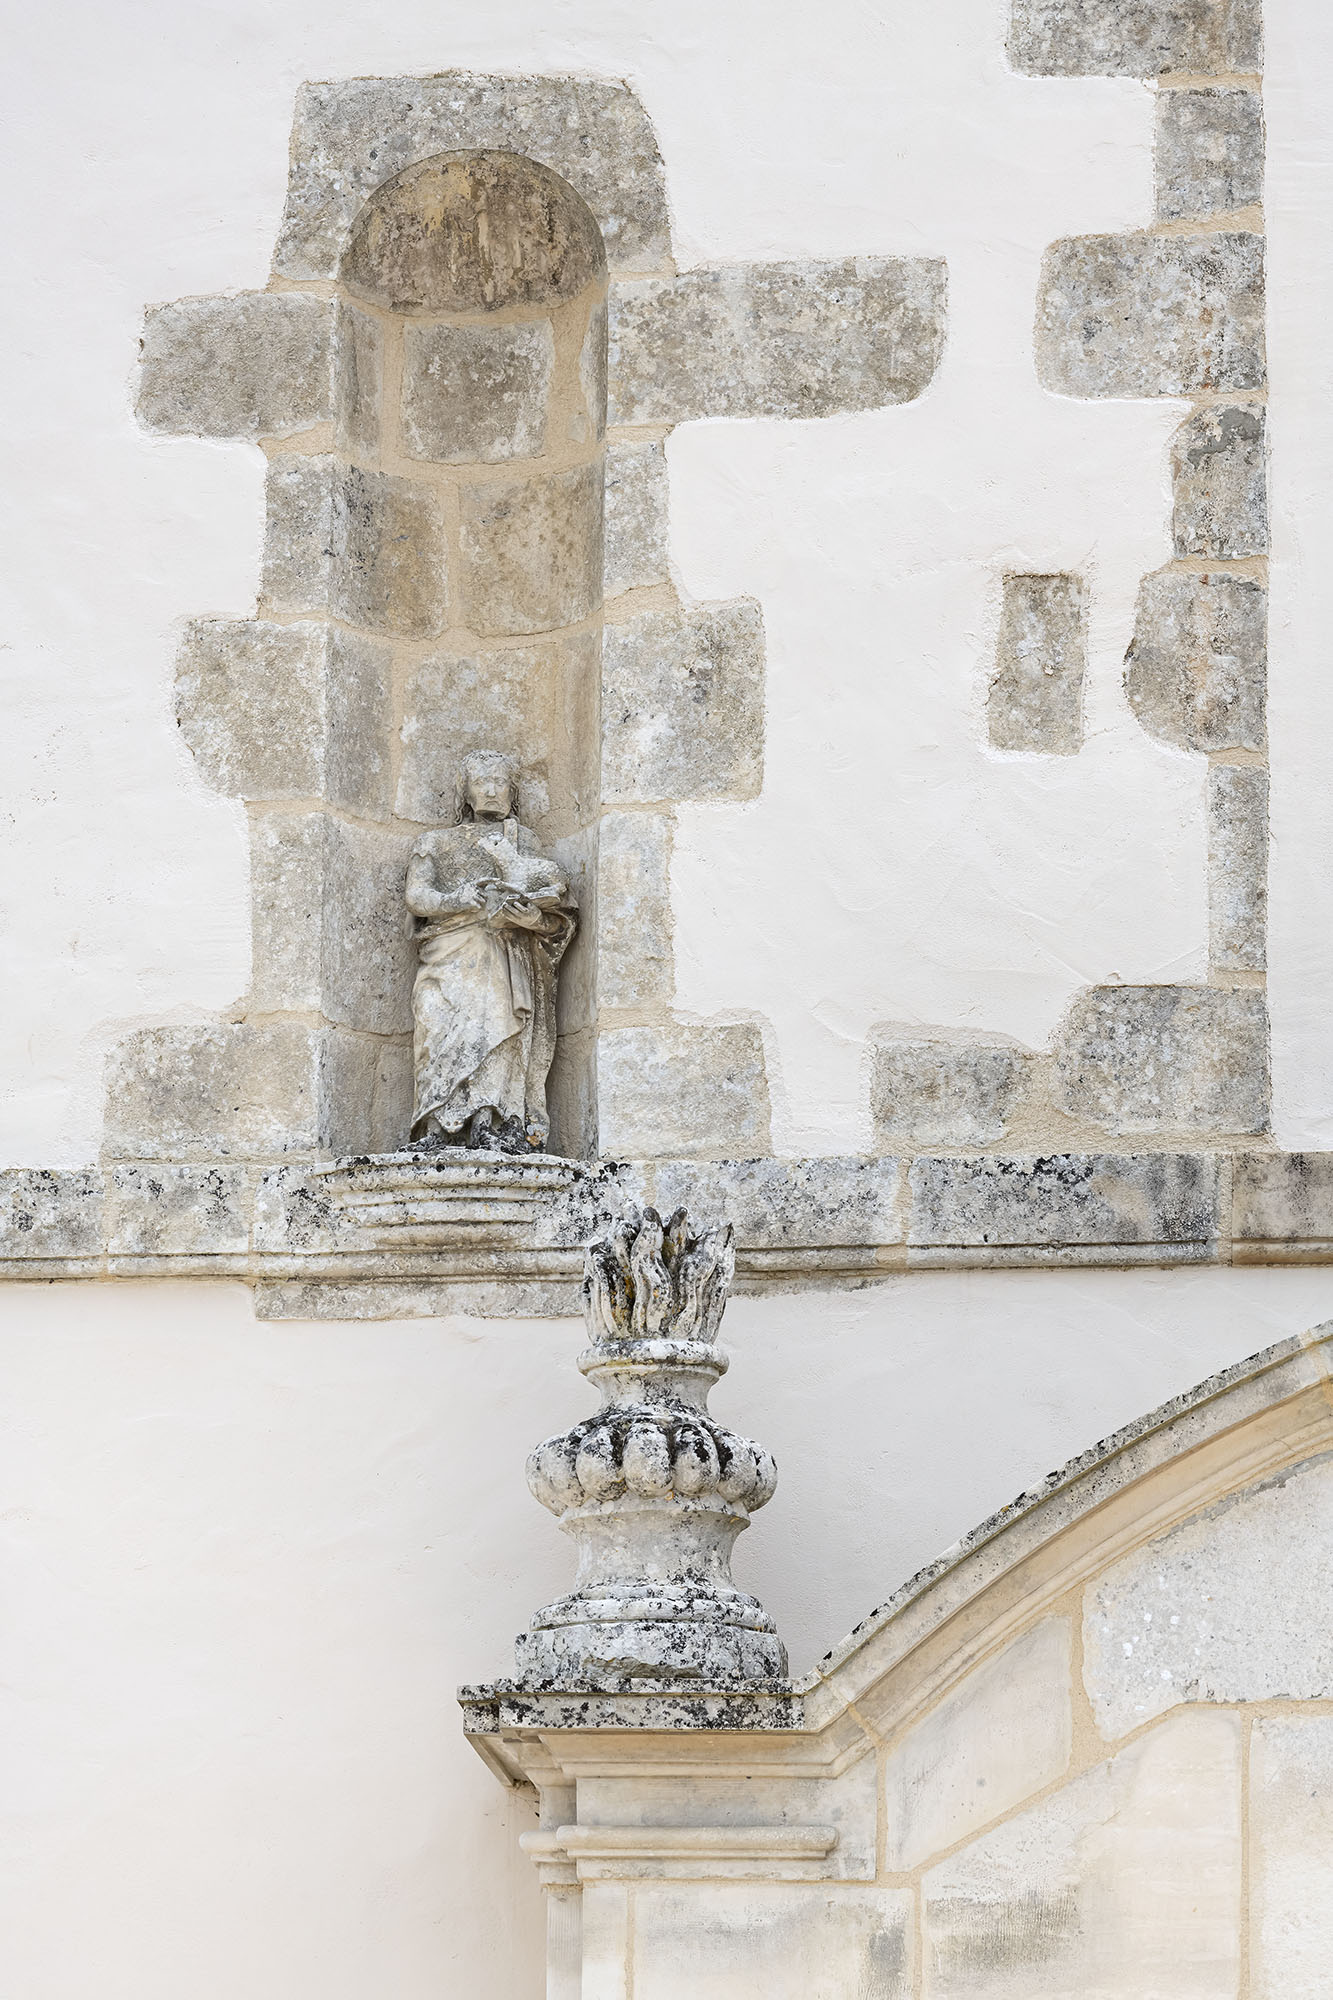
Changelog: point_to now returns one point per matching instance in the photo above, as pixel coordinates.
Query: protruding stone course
(636, 517)
(50, 1213)
(174, 1211)
(352, 136)
(1196, 673)
(1145, 315)
(941, 1093)
(476, 394)
(652, 1489)
(700, 1092)
(775, 340)
(1169, 1059)
(1210, 153)
(286, 711)
(683, 705)
(1065, 1200)
(1283, 1198)
(1237, 867)
(634, 955)
(1035, 701)
(1218, 472)
(532, 552)
(256, 364)
(1135, 37)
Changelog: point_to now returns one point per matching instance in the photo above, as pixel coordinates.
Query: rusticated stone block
(254, 1091)
(1196, 673)
(1210, 152)
(50, 1212)
(1237, 867)
(350, 137)
(691, 1092)
(332, 934)
(537, 702)
(285, 711)
(249, 701)
(365, 546)
(1282, 1197)
(1065, 1199)
(299, 554)
(1143, 315)
(1035, 702)
(636, 517)
(173, 1211)
(634, 950)
(256, 365)
(476, 393)
(775, 340)
(940, 1093)
(188, 1093)
(532, 551)
(358, 379)
(1134, 37)
(683, 705)
(1165, 1059)
(1218, 475)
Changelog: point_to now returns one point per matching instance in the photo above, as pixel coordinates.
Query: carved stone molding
(652, 1489)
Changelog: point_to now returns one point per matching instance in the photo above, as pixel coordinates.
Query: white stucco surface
(894, 869)
(246, 1566)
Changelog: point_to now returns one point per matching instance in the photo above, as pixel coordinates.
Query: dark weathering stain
(972, 1936)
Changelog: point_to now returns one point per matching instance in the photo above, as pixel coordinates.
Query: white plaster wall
(1298, 100)
(894, 868)
(245, 1566)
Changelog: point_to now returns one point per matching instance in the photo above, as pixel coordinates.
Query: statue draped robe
(483, 1004)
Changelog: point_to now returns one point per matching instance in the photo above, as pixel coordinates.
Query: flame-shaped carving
(652, 1488)
(653, 1281)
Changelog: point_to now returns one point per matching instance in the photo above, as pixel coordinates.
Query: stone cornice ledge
(397, 1237)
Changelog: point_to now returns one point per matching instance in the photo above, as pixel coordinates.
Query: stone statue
(494, 919)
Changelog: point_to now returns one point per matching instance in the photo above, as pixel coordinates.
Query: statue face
(489, 792)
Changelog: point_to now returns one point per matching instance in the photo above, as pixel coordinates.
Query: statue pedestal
(448, 1199)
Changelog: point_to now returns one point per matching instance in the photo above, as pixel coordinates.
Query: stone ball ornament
(652, 1489)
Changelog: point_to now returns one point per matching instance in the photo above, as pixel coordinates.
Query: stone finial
(653, 1490)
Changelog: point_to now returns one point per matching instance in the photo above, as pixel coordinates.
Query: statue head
(487, 786)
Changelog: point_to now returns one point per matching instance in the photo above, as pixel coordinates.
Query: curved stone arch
(996, 1788)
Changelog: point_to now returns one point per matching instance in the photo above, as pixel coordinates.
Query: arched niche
(470, 428)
